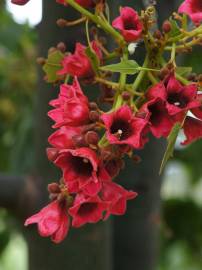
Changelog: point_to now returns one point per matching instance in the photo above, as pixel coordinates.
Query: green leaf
(175, 30)
(171, 144)
(53, 65)
(125, 66)
(93, 59)
(183, 71)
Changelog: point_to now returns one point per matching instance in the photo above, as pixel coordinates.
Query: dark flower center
(157, 113)
(87, 208)
(121, 129)
(178, 100)
(196, 6)
(82, 166)
(130, 24)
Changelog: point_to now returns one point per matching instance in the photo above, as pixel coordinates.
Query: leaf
(53, 65)
(183, 71)
(93, 59)
(175, 30)
(125, 66)
(171, 144)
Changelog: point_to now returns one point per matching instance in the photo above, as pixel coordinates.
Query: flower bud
(126, 95)
(61, 22)
(41, 61)
(93, 106)
(79, 141)
(53, 188)
(91, 137)
(158, 34)
(94, 116)
(61, 47)
(166, 27)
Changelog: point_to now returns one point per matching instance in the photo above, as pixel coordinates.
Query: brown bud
(53, 188)
(126, 95)
(164, 72)
(61, 22)
(93, 106)
(166, 27)
(79, 141)
(158, 34)
(136, 159)
(41, 61)
(94, 116)
(192, 77)
(61, 47)
(91, 137)
(51, 50)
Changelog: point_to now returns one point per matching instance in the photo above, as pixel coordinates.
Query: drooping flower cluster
(88, 144)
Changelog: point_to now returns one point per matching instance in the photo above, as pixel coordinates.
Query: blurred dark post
(135, 235)
(87, 248)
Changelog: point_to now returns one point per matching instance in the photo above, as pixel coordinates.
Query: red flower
(78, 64)
(117, 197)
(63, 138)
(179, 98)
(124, 128)
(86, 210)
(80, 170)
(129, 24)
(156, 113)
(193, 8)
(19, 2)
(71, 107)
(192, 130)
(52, 221)
(83, 3)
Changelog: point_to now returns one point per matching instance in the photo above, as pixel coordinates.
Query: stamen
(177, 103)
(85, 160)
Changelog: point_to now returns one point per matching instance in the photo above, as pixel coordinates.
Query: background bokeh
(181, 219)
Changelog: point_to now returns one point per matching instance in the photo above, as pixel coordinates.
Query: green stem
(173, 52)
(98, 20)
(141, 74)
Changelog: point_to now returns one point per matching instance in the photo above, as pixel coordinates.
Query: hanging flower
(124, 128)
(129, 24)
(86, 210)
(52, 221)
(71, 107)
(79, 64)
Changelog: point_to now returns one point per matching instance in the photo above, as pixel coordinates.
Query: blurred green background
(181, 221)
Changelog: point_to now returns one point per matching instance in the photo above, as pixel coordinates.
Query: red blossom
(129, 24)
(179, 98)
(63, 138)
(52, 221)
(71, 107)
(192, 130)
(124, 128)
(80, 170)
(193, 8)
(117, 197)
(78, 64)
(160, 122)
(86, 210)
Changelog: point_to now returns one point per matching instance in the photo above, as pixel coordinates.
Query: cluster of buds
(89, 144)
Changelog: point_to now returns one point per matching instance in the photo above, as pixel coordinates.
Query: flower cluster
(89, 144)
